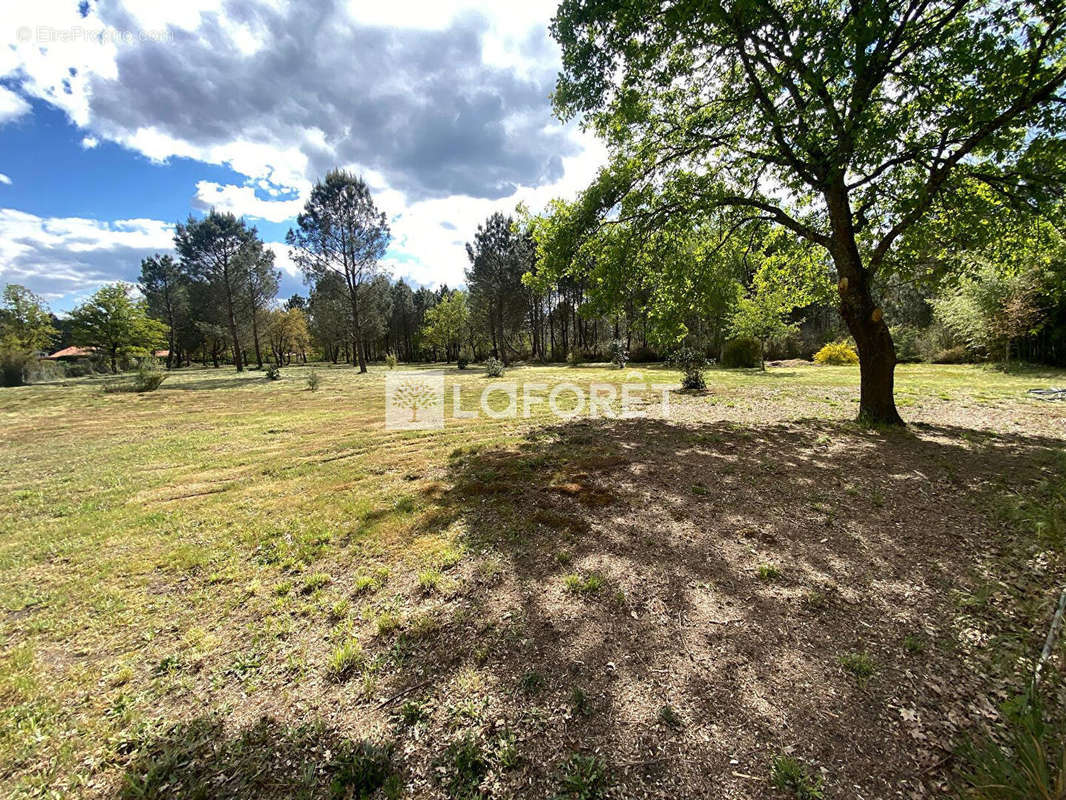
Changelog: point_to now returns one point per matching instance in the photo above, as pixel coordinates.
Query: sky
(119, 118)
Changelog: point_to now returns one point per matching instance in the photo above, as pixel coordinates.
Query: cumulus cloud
(243, 201)
(5, 179)
(11, 105)
(62, 256)
(89, 142)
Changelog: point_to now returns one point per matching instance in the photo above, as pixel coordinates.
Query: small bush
(273, 372)
(312, 381)
(584, 778)
(837, 354)
(768, 573)
(391, 361)
(574, 358)
(789, 774)
(692, 364)
(42, 371)
(952, 355)
(1029, 762)
(494, 367)
(619, 353)
(462, 362)
(643, 355)
(360, 769)
(578, 585)
(741, 353)
(149, 376)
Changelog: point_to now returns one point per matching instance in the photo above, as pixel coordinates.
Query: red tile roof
(72, 352)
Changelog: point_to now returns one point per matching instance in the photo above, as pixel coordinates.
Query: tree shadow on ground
(687, 601)
(200, 759)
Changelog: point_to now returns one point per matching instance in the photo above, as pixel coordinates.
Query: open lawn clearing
(221, 586)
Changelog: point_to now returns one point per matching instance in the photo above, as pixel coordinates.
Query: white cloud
(5, 179)
(11, 105)
(89, 142)
(242, 201)
(63, 256)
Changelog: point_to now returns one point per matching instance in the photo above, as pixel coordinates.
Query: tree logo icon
(414, 400)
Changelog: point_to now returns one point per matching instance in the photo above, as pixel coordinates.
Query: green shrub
(345, 660)
(1030, 761)
(859, 664)
(692, 364)
(273, 372)
(312, 381)
(619, 353)
(13, 363)
(42, 370)
(952, 355)
(462, 362)
(149, 376)
(391, 361)
(741, 353)
(574, 358)
(494, 367)
(789, 774)
(837, 354)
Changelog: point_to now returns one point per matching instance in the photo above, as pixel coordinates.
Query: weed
(387, 621)
(413, 712)
(429, 580)
(913, 643)
(532, 682)
(859, 664)
(461, 768)
(584, 778)
(506, 753)
(360, 769)
(314, 582)
(345, 659)
(579, 701)
(768, 573)
(578, 585)
(283, 588)
(789, 774)
(669, 717)
(312, 381)
(340, 610)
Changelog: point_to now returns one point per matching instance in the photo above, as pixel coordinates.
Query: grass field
(233, 587)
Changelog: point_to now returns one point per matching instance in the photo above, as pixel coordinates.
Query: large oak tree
(844, 122)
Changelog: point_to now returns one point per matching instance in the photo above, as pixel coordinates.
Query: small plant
(532, 682)
(340, 609)
(462, 362)
(692, 364)
(413, 712)
(837, 354)
(578, 585)
(913, 643)
(669, 717)
(859, 664)
(273, 373)
(1030, 761)
(619, 353)
(768, 573)
(345, 660)
(360, 769)
(584, 778)
(579, 701)
(390, 360)
(789, 774)
(507, 755)
(429, 580)
(573, 358)
(744, 352)
(494, 367)
(314, 582)
(386, 622)
(312, 381)
(461, 768)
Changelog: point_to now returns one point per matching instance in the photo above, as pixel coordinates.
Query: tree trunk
(255, 336)
(357, 353)
(233, 328)
(865, 321)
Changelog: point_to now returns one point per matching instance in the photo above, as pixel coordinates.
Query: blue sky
(119, 118)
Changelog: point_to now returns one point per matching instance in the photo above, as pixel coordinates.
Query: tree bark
(865, 321)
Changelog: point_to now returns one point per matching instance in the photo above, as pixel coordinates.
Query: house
(72, 352)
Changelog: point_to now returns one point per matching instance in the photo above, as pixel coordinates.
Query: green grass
(226, 541)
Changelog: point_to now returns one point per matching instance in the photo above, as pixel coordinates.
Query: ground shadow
(687, 601)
